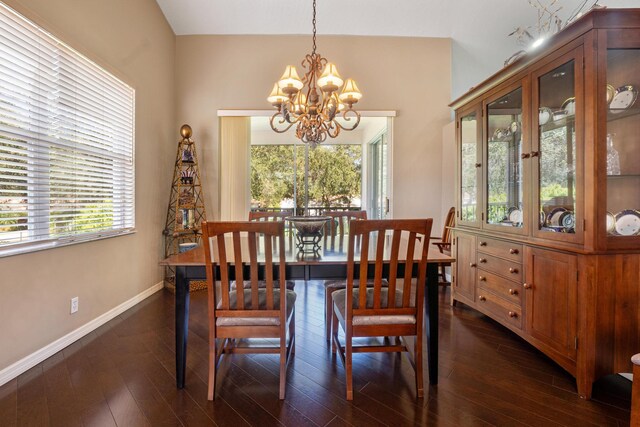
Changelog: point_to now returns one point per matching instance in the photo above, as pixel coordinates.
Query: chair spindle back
(232, 247)
(406, 236)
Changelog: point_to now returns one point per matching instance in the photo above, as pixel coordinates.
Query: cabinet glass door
(469, 138)
(504, 197)
(622, 145)
(558, 150)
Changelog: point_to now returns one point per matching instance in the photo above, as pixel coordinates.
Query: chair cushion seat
(342, 284)
(262, 304)
(291, 284)
(340, 303)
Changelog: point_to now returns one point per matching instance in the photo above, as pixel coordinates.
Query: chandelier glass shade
(315, 102)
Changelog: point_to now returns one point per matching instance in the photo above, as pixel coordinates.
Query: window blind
(66, 143)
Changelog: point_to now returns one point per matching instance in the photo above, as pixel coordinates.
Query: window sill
(24, 248)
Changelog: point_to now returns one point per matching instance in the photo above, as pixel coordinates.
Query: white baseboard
(28, 362)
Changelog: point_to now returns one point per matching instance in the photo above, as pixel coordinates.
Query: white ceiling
(352, 17)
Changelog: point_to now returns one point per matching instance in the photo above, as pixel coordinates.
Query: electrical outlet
(74, 305)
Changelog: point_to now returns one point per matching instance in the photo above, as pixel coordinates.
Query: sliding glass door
(378, 177)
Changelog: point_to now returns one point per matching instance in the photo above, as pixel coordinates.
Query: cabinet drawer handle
(483, 260)
(525, 155)
(478, 165)
(481, 298)
(514, 251)
(527, 285)
(535, 153)
(483, 243)
(513, 314)
(482, 279)
(472, 264)
(513, 270)
(513, 292)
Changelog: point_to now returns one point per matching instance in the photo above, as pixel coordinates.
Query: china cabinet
(547, 235)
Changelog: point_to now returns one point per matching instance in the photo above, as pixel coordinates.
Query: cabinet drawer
(508, 250)
(511, 291)
(499, 309)
(505, 268)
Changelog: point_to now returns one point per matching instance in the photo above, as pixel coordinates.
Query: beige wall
(133, 40)
(409, 75)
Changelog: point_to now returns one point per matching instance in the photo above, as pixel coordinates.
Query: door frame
(367, 181)
(389, 114)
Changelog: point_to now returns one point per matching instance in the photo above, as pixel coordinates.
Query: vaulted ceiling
(478, 28)
(418, 18)
(353, 17)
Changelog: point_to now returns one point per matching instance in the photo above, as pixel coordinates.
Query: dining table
(327, 260)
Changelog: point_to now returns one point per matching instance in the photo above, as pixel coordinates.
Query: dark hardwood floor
(123, 374)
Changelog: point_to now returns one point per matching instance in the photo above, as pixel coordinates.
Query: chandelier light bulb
(290, 82)
(339, 104)
(350, 92)
(330, 79)
(277, 96)
(300, 105)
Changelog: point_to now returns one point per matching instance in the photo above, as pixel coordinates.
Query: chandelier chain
(314, 26)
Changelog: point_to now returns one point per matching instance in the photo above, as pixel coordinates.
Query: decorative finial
(185, 131)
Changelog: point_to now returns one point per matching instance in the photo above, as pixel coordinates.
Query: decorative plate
(542, 218)
(501, 133)
(628, 222)
(611, 223)
(624, 98)
(568, 220)
(544, 115)
(515, 127)
(569, 106)
(611, 92)
(560, 114)
(553, 219)
(515, 216)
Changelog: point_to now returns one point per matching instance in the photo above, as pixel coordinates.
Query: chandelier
(314, 103)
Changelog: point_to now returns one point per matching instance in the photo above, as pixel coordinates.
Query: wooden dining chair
(259, 312)
(335, 236)
(269, 215)
(378, 311)
(635, 392)
(444, 246)
(339, 224)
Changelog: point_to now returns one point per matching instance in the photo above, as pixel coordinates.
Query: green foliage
(498, 164)
(62, 220)
(12, 187)
(271, 174)
(556, 163)
(90, 218)
(552, 190)
(334, 174)
(12, 221)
